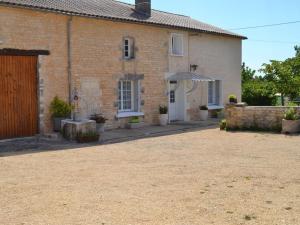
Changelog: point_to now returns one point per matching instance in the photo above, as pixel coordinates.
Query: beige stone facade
(97, 64)
(255, 117)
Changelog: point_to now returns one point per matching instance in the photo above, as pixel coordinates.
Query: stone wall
(255, 117)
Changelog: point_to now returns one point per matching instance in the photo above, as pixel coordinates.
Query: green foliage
(259, 92)
(60, 108)
(223, 125)
(203, 107)
(134, 119)
(292, 104)
(232, 98)
(291, 114)
(285, 75)
(87, 137)
(163, 109)
(247, 73)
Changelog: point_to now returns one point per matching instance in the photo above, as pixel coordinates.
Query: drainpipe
(69, 27)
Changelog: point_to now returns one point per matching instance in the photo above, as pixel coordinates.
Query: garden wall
(255, 117)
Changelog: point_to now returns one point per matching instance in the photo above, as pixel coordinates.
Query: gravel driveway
(195, 178)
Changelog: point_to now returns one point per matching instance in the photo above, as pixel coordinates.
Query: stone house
(121, 60)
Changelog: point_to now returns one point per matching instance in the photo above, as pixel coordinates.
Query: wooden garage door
(18, 96)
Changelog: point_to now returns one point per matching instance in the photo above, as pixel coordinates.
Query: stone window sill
(129, 114)
(215, 107)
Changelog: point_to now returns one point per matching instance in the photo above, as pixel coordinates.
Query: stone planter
(71, 128)
(203, 115)
(163, 119)
(290, 126)
(100, 128)
(57, 123)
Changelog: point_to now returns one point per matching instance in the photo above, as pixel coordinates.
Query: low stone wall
(255, 117)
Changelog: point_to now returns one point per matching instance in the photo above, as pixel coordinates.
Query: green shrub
(134, 119)
(87, 137)
(232, 99)
(291, 114)
(223, 125)
(163, 109)
(60, 108)
(258, 92)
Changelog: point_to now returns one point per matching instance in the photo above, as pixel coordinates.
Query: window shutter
(136, 95)
(177, 44)
(210, 92)
(217, 92)
(132, 48)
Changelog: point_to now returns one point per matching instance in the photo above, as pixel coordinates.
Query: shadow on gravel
(36, 145)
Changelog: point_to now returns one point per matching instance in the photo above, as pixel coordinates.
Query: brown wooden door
(18, 96)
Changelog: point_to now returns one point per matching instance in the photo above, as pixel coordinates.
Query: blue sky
(262, 45)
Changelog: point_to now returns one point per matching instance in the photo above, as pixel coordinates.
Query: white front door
(172, 99)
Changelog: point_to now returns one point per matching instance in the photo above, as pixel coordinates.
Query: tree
(259, 92)
(255, 89)
(247, 73)
(285, 75)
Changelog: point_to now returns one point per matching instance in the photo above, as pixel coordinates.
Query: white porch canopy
(194, 77)
(189, 76)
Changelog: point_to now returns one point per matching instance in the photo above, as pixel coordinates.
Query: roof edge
(118, 19)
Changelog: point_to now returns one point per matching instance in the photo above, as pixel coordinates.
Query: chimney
(143, 6)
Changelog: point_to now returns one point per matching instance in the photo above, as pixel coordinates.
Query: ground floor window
(214, 92)
(125, 95)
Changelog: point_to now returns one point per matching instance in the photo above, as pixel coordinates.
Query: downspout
(69, 45)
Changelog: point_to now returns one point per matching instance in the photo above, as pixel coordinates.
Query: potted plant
(232, 99)
(134, 123)
(87, 137)
(60, 110)
(163, 115)
(100, 122)
(203, 112)
(291, 121)
(223, 124)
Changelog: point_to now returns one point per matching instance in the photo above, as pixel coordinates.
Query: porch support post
(168, 95)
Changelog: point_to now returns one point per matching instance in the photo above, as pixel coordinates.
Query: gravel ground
(196, 178)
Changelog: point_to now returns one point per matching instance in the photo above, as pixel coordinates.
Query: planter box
(135, 125)
(203, 115)
(290, 126)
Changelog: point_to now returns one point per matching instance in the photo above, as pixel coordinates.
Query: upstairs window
(177, 44)
(128, 48)
(214, 92)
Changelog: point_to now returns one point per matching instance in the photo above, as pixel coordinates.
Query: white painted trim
(213, 107)
(122, 96)
(129, 48)
(129, 114)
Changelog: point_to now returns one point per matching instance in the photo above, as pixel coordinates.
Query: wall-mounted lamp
(193, 68)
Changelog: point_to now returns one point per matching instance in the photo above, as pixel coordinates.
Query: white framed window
(128, 48)
(126, 96)
(214, 92)
(176, 44)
